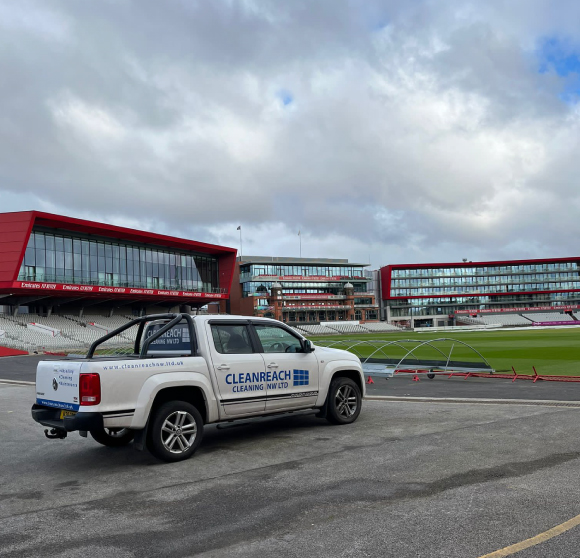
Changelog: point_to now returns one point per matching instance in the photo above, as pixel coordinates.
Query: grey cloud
(420, 129)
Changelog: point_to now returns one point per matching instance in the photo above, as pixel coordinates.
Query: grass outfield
(551, 351)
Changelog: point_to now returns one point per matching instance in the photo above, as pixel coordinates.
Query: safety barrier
(535, 377)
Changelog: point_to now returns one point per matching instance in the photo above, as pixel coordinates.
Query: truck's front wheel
(344, 401)
(113, 437)
(176, 431)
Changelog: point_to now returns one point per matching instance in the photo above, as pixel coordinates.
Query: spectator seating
(549, 317)
(71, 333)
(380, 326)
(315, 330)
(341, 327)
(469, 320)
(505, 320)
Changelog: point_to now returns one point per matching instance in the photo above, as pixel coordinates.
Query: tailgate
(57, 384)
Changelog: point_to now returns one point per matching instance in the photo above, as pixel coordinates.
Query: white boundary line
(17, 382)
(544, 402)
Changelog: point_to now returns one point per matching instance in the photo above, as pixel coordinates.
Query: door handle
(222, 367)
(272, 365)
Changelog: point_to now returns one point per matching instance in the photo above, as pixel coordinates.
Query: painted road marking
(17, 382)
(542, 537)
(482, 401)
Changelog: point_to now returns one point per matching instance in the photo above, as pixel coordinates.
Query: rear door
(238, 367)
(291, 374)
(57, 384)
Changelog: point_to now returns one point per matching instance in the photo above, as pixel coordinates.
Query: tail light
(90, 389)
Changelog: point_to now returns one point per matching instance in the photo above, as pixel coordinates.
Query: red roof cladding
(480, 264)
(14, 232)
(15, 229)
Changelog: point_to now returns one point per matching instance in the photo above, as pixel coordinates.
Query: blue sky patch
(560, 57)
(286, 97)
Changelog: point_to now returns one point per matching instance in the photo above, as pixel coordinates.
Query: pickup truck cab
(183, 372)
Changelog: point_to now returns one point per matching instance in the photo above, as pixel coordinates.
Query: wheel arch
(190, 394)
(354, 375)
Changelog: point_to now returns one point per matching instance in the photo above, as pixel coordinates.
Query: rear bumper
(50, 417)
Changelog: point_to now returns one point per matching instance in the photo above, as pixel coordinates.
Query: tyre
(430, 375)
(344, 401)
(175, 431)
(113, 437)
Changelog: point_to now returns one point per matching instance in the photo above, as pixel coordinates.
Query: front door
(291, 374)
(239, 369)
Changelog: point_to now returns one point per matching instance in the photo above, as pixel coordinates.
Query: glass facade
(62, 258)
(485, 279)
(248, 271)
(250, 288)
(483, 288)
(312, 291)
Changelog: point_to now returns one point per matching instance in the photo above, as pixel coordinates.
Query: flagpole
(241, 246)
(300, 237)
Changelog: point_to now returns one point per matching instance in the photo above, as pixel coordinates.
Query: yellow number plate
(67, 414)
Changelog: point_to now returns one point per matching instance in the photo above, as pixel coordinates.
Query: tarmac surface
(408, 479)
(24, 369)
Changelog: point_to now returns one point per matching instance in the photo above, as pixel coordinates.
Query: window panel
(231, 339)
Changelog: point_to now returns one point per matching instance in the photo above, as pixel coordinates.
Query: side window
(231, 339)
(277, 340)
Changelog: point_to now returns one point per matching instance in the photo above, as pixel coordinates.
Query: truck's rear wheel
(113, 437)
(175, 432)
(344, 401)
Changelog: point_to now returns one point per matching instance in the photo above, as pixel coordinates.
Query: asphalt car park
(408, 479)
(23, 369)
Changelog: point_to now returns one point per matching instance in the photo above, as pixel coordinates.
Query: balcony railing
(313, 308)
(245, 277)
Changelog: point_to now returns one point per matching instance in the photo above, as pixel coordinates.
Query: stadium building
(304, 290)
(50, 264)
(443, 294)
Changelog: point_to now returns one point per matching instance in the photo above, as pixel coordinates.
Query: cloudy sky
(385, 131)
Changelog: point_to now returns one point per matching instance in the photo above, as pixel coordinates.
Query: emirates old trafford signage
(99, 289)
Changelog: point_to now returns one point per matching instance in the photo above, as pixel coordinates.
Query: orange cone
(416, 378)
(369, 380)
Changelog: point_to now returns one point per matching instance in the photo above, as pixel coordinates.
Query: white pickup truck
(185, 372)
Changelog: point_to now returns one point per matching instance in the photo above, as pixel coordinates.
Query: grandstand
(516, 320)
(504, 320)
(380, 327)
(549, 317)
(34, 333)
(314, 330)
(58, 333)
(341, 327)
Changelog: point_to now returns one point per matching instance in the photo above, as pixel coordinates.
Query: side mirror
(307, 345)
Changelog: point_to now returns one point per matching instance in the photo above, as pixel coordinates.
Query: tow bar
(55, 434)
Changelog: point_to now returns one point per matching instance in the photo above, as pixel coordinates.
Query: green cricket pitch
(551, 351)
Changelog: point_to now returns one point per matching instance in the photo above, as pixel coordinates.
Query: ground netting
(443, 353)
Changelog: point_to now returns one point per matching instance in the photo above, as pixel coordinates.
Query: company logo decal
(301, 378)
(54, 384)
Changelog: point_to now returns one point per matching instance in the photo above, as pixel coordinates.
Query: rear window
(231, 339)
(174, 341)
